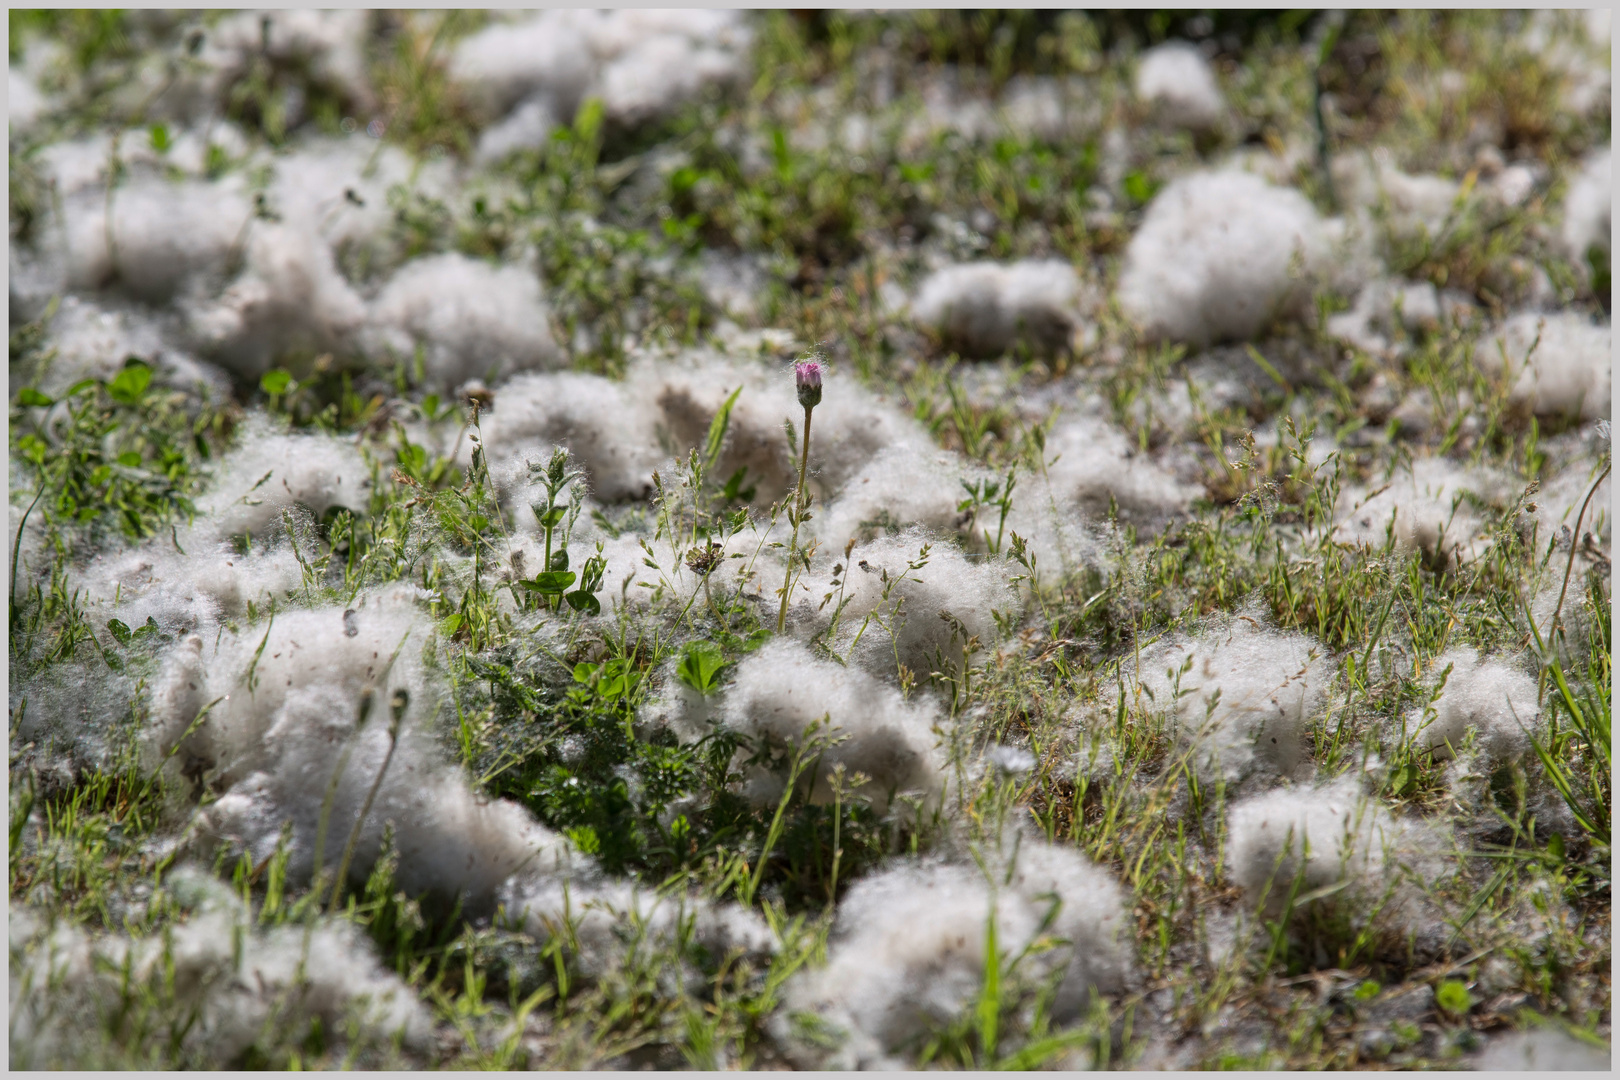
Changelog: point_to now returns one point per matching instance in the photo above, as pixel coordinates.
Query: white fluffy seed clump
(1431, 508)
(907, 953)
(1332, 836)
(270, 489)
(1220, 255)
(603, 423)
(163, 236)
(640, 64)
(1383, 309)
(288, 297)
(338, 189)
(612, 921)
(271, 726)
(302, 650)
(782, 689)
(902, 485)
(77, 718)
(274, 717)
(935, 618)
(1559, 364)
(25, 103)
(1543, 1050)
(282, 978)
(268, 474)
(850, 426)
(1177, 82)
(1404, 204)
(1562, 495)
(329, 44)
(1588, 210)
(983, 309)
(1097, 466)
(89, 340)
(254, 275)
(1243, 698)
(190, 592)
(1092, 467)
(471, 320)
(1488, 696)
(622, 431)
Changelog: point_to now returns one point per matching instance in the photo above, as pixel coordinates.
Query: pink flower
(807, 376)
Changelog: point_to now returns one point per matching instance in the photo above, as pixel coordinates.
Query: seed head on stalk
(807, 376)
(807, 379)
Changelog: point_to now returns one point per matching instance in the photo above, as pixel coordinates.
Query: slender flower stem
(798, 513)
(400, 700)
(1573, 540)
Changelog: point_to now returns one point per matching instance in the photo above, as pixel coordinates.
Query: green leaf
(580, 600)
(989, 1006)
(684, 179)
(783, 155)
(129, 459)
(452, 622)
(734, 490)
(559, 560)
(119, 631)
(1453, 997)
(717, 430)
(700, 662)
(1139, 188)
(33, 448)
(590, 579)
(412, 459)
(160, 138)
(585, 838)
(276, 381)
(615, 680)
(551, 583)
(129, 385)
(1403, 781)
(29, 397)
(548, 519)
(1367, 990)
(588, 120)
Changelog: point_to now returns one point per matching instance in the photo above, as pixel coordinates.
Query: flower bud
(807, 376)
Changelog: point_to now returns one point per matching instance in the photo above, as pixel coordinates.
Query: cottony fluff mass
(1332, 836)
(1588, 210)
(935, 618)
(639, 64)
(1177, 81)
(906, 955)
(232, 979)
(470, 319)
(270, 726)
(1431, 507)
(1490, 697)
(983, 309)
(270, 473)
(1220, 255)
(783, 688)
(1243, 697)
(1558, 365)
